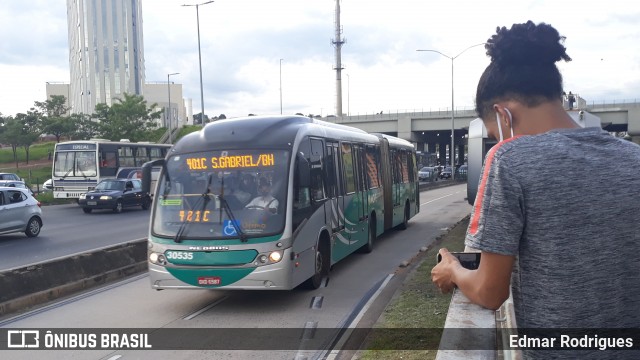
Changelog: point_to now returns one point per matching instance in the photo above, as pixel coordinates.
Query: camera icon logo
(23, 339)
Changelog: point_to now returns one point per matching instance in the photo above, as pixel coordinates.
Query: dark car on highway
(115, 194)
(446, 173)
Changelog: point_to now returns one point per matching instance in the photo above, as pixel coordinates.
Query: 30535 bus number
(179, 255)
(194, 216)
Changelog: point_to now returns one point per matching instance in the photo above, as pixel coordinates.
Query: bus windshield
(222, 194)
(75, 163)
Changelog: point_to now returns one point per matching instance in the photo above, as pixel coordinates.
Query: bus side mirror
(146, 173)
(304, 172)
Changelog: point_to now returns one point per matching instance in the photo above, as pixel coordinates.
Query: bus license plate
(92, 203)
(208, 280)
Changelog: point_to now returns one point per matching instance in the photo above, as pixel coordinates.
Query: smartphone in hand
(468, 260)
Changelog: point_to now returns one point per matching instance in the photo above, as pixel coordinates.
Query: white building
(106, 52)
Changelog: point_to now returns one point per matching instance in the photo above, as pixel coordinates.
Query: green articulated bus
(272, 202)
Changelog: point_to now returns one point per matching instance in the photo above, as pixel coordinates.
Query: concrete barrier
(439, 184)
(23, 288)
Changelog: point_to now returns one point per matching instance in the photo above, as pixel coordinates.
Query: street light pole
(169, 117)
(200, 58)
(281, 86)
(452, 151)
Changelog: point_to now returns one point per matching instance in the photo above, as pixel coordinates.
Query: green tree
(12, 129)
(53, 116)
(197, 119)
(84, 127)
(29, 125)
(128, 118)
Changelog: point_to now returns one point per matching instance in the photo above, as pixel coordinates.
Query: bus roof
(270, 132)
(105, 141)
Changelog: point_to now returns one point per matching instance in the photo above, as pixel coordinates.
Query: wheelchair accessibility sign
(230, 228)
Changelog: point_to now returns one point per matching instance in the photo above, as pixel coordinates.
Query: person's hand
(442, 272)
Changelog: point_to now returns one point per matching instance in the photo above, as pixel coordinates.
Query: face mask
(500, 127)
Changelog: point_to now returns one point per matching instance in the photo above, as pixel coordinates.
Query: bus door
(351, 205)
(336, 194)
(386, 170)
(361, 197)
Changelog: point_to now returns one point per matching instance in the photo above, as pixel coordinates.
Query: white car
(19, 212)
(48, 185)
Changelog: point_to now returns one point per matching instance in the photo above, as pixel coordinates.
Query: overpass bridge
(430, 131)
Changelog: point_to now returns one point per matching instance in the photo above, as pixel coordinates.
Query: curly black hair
(522, 66)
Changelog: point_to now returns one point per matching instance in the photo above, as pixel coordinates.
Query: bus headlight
(268, 258)
(275, 256)
(105, 197)
(157, 258)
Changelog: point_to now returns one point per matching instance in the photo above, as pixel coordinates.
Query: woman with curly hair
(555, 212)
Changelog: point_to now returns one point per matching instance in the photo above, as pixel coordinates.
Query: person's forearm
(477, 289)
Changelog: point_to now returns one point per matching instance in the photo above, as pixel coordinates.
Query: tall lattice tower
(337, 43)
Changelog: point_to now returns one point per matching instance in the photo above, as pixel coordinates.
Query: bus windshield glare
(222, 194)
(75, 163)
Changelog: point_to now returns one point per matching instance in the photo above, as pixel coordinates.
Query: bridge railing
(470, 110)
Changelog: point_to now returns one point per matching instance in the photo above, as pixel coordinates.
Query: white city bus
(79, 165)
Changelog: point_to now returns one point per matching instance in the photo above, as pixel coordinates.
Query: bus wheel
(322, 264)
(368, 247)
(405, 220)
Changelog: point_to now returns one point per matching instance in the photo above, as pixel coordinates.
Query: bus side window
(108, 163)
(301, 195)
(317, 158)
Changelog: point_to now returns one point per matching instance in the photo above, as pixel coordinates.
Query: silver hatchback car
(19, 212)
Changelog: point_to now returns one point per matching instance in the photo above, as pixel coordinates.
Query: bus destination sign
(230, 162)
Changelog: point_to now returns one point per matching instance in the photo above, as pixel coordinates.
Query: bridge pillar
(460, 147)
(442, 153)
(404, 129)
(633, 126)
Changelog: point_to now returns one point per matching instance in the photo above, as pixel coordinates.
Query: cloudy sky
(243, 41)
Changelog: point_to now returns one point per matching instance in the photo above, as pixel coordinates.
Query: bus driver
(265, 200)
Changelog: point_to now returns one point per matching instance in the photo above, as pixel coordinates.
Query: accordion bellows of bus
(271, 202)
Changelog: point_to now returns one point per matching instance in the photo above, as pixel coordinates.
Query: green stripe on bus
(171, 202)
(212, 258)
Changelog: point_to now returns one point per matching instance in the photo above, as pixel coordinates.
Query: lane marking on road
(316, 302)
(442, 197)
(115, 357)
(193, 315)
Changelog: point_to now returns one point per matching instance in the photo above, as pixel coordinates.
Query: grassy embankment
(416, 305)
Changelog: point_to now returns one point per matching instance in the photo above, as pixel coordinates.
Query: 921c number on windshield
(194, 216)
(179, 255)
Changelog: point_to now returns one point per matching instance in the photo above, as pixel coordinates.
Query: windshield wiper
(227, 210)
(66, 174)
